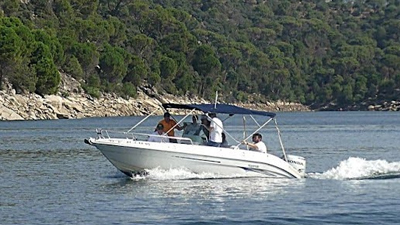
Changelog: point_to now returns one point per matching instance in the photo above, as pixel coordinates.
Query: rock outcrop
(385, 106)
(72, 102)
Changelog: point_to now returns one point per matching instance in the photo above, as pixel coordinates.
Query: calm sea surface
(49, 176)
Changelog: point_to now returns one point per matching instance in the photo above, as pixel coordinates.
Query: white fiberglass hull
(131, 156)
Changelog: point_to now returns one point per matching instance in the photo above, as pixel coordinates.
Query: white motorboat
(131, 153)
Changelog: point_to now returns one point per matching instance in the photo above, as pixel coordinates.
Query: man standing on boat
(168, 123)
(258, 144)
(216, 128)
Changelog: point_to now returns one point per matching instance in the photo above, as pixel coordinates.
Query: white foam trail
(358, 168)
(178, 174)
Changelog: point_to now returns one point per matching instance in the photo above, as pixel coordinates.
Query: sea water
(49, 176)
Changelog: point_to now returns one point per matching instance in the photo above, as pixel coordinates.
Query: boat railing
(145, 137)
(107, 134)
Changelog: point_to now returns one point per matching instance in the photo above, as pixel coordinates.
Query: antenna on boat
(244, 130)
(216, 99)
(244, 127)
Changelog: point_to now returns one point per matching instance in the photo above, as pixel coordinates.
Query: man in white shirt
(216, 128)
(257, 144)
(158, 135)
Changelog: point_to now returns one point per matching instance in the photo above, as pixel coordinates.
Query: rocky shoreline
(73, 103)
(35, 107)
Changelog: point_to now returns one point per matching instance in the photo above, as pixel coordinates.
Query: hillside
(327, 55)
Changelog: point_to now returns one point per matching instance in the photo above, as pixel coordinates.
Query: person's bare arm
(251, 145)
(181, 127)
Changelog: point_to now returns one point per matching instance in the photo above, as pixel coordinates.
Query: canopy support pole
(141, 121)
(280, 140)
(262, 126)
(177, 123)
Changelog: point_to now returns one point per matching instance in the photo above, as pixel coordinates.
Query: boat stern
(298, 162)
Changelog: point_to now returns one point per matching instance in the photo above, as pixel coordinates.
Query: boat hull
(130, 156)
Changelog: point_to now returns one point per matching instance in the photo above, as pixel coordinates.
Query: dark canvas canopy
(219, 108)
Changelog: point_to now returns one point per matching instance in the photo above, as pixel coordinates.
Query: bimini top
(219, 108)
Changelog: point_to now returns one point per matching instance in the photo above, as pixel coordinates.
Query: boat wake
(180, 174)
(355, 168)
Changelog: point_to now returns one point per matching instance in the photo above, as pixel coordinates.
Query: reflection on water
(190, 187)
(208, 198)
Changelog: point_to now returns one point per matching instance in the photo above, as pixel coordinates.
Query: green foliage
(11, 58)
(153, 79)
(9, 7)
(186, 83)
(92, 86)
(73, 67)
(9, 43)
(137, 71)
(22, 77)
(52, 42)
(129, 90)
(316, 52)
(113, 64)
(87, 55)
(48, 77)
(168, 68)
(205, 61)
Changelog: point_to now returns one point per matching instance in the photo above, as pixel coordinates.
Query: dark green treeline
(313, 52)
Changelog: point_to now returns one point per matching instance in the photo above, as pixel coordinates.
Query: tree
(113, 7)
(141, 45)
(168, 68)
(73, 68)
(87, 55)
(112, 64)
(205, 60)
(46, 71)
(9, 7)
(137, 71)
(207, 65)
(9, 50)
(54, 45)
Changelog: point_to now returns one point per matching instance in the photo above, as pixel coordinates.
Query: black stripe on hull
(265, 172)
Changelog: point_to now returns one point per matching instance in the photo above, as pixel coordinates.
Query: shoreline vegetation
(72, 102)
(268, 55)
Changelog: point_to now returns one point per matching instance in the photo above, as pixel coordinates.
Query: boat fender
(87, 141)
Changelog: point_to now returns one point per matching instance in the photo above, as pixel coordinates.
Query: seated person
(158, 135)
(192, 128)
(258, 144)
(193, 131)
